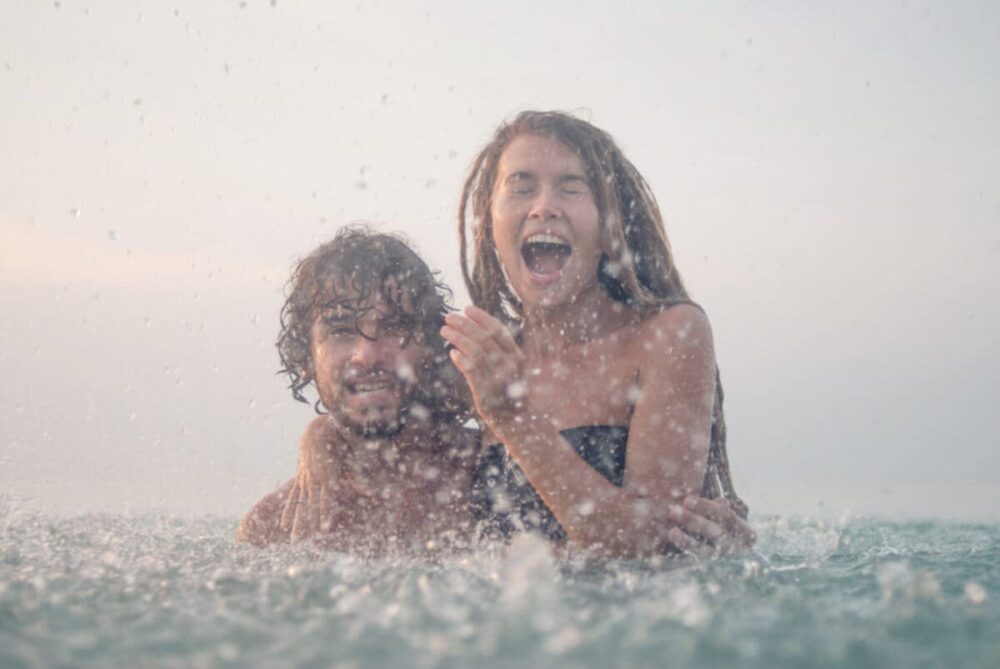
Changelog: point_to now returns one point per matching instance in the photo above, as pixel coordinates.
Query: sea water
(156, 591)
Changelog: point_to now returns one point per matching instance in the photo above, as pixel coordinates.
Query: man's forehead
(344, 300)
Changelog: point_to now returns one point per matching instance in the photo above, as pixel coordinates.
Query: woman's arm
(671, 426)
(668, 435)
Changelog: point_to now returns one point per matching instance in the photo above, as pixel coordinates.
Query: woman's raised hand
(492, 363)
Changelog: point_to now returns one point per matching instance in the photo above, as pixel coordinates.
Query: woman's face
(546, 225)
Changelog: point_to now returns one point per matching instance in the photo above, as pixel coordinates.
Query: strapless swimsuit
(503, 500)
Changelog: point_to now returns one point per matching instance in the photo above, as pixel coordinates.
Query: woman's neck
(548, 330)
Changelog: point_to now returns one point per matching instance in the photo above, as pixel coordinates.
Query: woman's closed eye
(521, 183)
(574, 186)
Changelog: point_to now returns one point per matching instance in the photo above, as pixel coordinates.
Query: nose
(545, 206)
(366, 352)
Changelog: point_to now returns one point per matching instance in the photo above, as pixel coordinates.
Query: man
(388, 465)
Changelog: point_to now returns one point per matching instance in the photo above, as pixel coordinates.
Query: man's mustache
(356, 374)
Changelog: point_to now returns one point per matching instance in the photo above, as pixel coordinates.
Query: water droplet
(112, 235)
(420, 412)
(634, 393)
(75, 213)
(516, 390)
(975, 593)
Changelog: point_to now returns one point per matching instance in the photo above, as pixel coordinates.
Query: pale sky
(830, 178)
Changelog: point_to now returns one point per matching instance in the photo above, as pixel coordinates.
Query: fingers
(714, 523)
(489, 334)
(494, 328)
(689, 545)
(464, 364)
(488, 358)
(737, 531)
(324, 520)
(291, 503)
(467, 344)
(716, 510)
(692, 523)
(306, 516)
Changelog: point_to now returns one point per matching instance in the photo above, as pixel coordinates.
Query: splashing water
(160, 591)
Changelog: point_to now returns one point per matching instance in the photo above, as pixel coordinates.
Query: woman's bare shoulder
(680, 325)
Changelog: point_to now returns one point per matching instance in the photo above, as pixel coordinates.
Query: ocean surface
(156, 591)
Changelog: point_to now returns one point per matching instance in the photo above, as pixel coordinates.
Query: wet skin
(408, 492)
(373, 479)
(583, 359)
(370, 478)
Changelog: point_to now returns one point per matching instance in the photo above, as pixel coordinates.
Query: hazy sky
(830, 177)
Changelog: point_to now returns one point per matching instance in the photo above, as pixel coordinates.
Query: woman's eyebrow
(570, 178)
(520, 174)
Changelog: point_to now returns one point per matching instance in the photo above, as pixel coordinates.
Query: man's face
(365, 368)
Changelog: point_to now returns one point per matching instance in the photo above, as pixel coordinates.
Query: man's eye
(340, 331)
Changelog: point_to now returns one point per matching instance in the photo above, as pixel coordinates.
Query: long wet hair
(638, 269)
(357, 271)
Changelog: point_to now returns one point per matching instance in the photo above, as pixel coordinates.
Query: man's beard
(375, 426)
(378, 423)
(373, 429)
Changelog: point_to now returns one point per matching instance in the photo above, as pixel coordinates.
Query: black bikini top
(503, 500)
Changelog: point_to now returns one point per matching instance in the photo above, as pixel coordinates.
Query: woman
(585, 356)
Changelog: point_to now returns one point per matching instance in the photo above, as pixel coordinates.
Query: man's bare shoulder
(320, 430)
(262, 524)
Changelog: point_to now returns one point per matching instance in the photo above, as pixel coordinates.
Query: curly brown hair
(358, 270)
(639, 270)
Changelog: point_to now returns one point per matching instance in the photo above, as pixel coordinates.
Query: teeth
(370, 387)
(545, 238)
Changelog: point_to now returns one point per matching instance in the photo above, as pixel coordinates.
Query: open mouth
(545, 254)
(369, 386)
